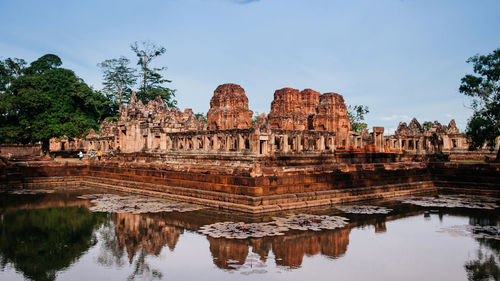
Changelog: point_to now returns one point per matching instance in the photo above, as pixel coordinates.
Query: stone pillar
(299, 145)
(285, 143)
(322, 143)
(241, 143)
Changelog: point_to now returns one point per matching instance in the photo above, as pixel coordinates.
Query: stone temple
(302, 154)
(299, 122)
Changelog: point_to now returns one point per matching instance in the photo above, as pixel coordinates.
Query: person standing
(80, 155)
(99, 155)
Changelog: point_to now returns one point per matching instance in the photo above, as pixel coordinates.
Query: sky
(401, 58)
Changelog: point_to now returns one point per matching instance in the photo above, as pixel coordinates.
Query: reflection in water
(136, 234)
(289, 250)
(485, 267)
(150, 232)
(41, 242)
(487, 264)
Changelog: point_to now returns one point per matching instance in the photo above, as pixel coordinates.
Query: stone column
(285, 143)
(322, 143)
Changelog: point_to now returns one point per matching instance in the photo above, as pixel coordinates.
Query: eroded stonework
(292, 109)
(229, 109)
(303, 123)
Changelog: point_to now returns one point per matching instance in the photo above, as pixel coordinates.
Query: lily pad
(113, 203)
(449, 201)
(365, 210)
(476, 231)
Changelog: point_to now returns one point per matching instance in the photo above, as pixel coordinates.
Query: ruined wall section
(229, 109)
(292, 109)
(331, 115)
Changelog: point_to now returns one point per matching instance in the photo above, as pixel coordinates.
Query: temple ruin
(302, 154)
(299, 123)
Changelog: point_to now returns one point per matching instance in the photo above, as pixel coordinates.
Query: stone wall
(17, 150)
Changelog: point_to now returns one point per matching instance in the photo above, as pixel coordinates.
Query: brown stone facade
(300, 123)
(292, 109)
(229, 109)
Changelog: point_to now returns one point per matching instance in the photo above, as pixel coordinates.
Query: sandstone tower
(229, 109)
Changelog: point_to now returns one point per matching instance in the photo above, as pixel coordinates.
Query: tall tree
(47, 101)
(152, 83)
(484, 88)
(119, 79)
(356, 115)
(10, 69)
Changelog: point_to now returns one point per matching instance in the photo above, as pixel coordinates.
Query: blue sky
(400, 58)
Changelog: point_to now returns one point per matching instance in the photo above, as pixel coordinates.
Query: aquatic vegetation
(28, 191)
(113, 203)
(365, 210)
(311, 222)
(476, 231)
(278, 226)
(449, 201)
(241, 230)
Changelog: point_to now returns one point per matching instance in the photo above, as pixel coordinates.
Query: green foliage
(202, 115)
(46, 101)
(10, 69)
(43, 64)
(118, 79)
(484, 89)
(152, 82)
(39, 243)
(427, 125)
(356, 115)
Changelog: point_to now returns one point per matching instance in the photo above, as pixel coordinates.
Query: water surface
(54, 237)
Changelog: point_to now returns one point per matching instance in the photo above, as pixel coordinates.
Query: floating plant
(366, 210)
(113, 203)
(241, 230)
(28, 191)
(311, 222)
(453, 202)
(476, 231)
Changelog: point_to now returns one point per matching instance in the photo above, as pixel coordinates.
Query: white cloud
(395, 117)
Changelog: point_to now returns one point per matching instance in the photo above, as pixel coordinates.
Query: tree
(43, 64)
(152, 83)
(427, 125)
(118, 79)
(47, 101)
(484, 89)
(10, 69)
(40, 243)
(356, 115)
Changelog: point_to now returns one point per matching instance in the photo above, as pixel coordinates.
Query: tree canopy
(356, 115)
(44, 101)
(152, 83)
(484, 88)
(119, 79)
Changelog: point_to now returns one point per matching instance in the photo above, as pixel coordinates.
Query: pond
(81, 234)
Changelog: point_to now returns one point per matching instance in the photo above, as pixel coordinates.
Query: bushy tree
(46, 101)
(484, 88)
(356, 115)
